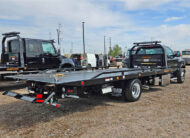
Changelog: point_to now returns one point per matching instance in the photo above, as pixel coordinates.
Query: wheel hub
(136, 90)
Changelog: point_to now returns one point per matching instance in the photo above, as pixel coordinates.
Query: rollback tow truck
(150, 64)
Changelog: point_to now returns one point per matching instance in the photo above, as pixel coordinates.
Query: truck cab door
(50, 56)
(33, 52)
(171, 59)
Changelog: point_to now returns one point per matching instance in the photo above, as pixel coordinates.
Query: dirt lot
(161, 112)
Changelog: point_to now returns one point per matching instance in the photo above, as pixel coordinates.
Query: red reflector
(39, 101)
(57, 105)
(82, 82)
(39, 96)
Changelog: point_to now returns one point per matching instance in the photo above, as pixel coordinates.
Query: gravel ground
(161, 112)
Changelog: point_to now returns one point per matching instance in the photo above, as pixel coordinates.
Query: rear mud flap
(20, 96)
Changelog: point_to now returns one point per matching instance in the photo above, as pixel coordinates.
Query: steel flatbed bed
(90, 77)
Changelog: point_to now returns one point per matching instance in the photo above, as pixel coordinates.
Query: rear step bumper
(20, 96)
(29, 98)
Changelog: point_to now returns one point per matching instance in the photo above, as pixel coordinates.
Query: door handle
(43, 60)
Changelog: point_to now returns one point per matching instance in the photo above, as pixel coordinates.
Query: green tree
(110, 53)
(117, 50)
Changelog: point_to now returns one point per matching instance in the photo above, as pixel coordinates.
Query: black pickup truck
(26, 54)
(152, 64)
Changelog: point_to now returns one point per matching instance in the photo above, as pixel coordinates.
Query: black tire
(89, 67)
(129, 93)
(181, 75)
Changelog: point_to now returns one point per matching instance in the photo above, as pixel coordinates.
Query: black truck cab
(29, 54)
(153, 55)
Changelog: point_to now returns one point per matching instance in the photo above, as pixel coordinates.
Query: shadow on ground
(21, 114)
(152, 89)
(7, 85)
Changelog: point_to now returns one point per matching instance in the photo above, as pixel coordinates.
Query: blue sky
(125, 21)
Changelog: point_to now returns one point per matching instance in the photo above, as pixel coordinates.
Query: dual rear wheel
(132, 90)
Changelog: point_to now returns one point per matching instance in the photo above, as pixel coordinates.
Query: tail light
(80, 57)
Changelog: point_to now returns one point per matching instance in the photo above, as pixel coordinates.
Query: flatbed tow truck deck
(90, 76)
(145, 70)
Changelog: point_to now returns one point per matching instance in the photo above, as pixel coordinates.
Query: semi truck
(27, 54)
(152, 64)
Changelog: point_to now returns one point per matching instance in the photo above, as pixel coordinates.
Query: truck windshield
(150, 51)
(186, 53)
(48, 47)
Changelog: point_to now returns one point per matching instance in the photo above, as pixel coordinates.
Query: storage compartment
(156, 81)
(165, 80)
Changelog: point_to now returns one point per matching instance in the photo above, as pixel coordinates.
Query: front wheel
(181, 76)
(132, 91)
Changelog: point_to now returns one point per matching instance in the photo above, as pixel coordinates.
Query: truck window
(14, 46)
(150, 51)
(169, 52)
(33, 48)
(186, 53)
(47, 47)
(133, 52)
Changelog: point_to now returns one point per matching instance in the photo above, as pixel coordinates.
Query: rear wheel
(133, 90)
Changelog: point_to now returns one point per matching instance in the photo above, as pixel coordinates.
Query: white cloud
(144, 4)
(176, 37)
(5, 17)
(173, 19)
(36, 18)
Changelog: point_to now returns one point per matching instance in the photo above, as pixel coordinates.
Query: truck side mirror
(176, 54)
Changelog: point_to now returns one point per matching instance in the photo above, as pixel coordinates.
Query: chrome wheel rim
(136, 90)
(182, 75)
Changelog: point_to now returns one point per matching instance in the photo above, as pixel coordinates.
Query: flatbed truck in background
(152, 64)
(26, 55)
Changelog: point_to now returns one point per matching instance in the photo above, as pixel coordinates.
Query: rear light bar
(70, 90)
(39, 101)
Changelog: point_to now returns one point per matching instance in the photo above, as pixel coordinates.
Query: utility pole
(83, 39)
(104, 45)
(104, 58)
(71, 51)
(59, 38)
(110, 42)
